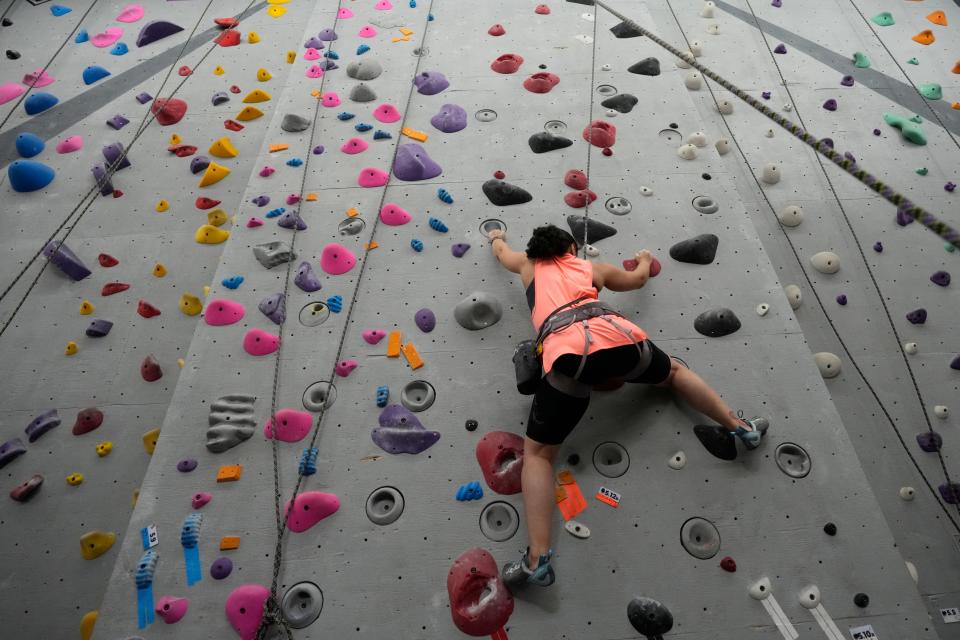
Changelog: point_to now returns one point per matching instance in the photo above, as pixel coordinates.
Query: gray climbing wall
(378, 580)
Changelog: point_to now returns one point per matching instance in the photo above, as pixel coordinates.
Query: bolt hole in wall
(499, 521)
(700, 538)
(611, 460)
(318, 395)
(384, 505)
(793, 460)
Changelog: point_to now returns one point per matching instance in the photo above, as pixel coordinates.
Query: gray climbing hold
(624, 30)
(649, 617)
(717, 323)
(99, 328)
(700, 538)
(271, 254)
(274, 307)
(384, 506)
(589, 231)
(700, 249)
(10, 450)
(794, 295)
(362, 93)
(231, 422)
(41, 424)
(828, 363)
(545, 141)
(646, 67)
(504, 194)
(478, 310)
(624, 102)
(401, 432)
(293, 123)
(364, 69)
(219, 98)
(705, 204)
(156, 30)
(825, 262)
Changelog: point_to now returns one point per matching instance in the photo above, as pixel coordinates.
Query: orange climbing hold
(229, 543)
(955, 105)
(159, 270)
(229, 473)
(370, 246)
(393, 344)
(413, 133)
(352, 212)
(956, 67)
(412, 356)
(938, 17)
(279, 147)
(311, 197)
(925, 37)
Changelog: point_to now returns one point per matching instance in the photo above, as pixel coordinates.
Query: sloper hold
(244, 609)
(41, 424)
(309, 508)
(307, 278)
(29, 175)
(400, 431)
(649, 617)
(545, 141)
(231, 422)
(87, 420)
(595, 230)
(480, 602)
(66, 260)
(274, 307)
(412, 163)
(94, 544)
(294, 425)
(478, 311)
(156, 30)
(624, 102)
(293, 123)
(500, 456)
(624, 30)
(646, 67)
(430, 83)
(168, 110)
(718, 441)
(363, 93)
(450, 119)
(504, 194)
(700, 249)
(717, 323)
(365, 69)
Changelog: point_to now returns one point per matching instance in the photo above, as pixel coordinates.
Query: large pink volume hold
(310, 508)
(293, 425)
(244, 609)
(336, 259)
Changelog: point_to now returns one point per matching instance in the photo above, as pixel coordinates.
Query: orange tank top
(557, 281)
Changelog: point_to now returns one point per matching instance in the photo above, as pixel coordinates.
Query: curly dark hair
(549, 242)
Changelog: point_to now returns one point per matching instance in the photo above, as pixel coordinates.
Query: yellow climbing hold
(206, 291)
(87, 622)
(291, 57)
(213, 174)
(181, 363)
(175, 139)
(276, 11)
(190, 304)
(209, 234)
(249, 113)
(277, 1)
(86, 308)
(217, 217)
(150, 440)
(263, 75)
(74, 479)
(257, 95)
(134, 498)
(96, 543)
(253, 37)
(159, 270)
(405, 31)
(104, 448)
(71, 348)
(219, 71)
(223, 148)
(162, 206)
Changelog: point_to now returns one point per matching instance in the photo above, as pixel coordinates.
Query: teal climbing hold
(884, 19)
(444, 196)
(29, 175)
(909, 128)
(913, 61)
(949, 247)
(922, 171)
(931, 91)
(860, 60)
(29, 145)
(333, 55)
(93, 73)
(39, 102)
(82, 36)
(60, 10)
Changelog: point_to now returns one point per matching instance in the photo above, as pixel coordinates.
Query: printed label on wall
(950, 614)
(865, 632)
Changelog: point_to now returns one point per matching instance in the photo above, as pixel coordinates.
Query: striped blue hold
(383, 395)
(308, 461)
(437, 225)
(335, 303)
(445, 196)
(146, 568)
(362, 49)
(416, 245)
(363, 126)
(190, 531)
(345, 115)
(380, 134)
(273, 213)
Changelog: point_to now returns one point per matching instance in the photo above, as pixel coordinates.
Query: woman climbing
(586, 343)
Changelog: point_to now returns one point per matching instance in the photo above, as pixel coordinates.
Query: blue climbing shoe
(516, 574)
(758, 428)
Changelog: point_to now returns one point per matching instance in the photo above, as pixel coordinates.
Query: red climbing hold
(182, 150)
(507, 63)
(204, 202)
(728, 564)
(87, 420)
(496, 30)
(168, 110)
(117, 193)
(147, 310)
(234, 89)
(500, 455)
(575, 179)
(607, 152)
(480, 602)
(600, 134)
(227, 23)
(499, 175)
(541, 82)
(107, 260)
(542, 9)
(113, 287)
(232, 126)
(578, 199)
(631, 265)
(185, 71)
(229, 38)
(150, 369)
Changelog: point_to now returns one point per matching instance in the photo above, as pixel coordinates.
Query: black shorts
(555, 413)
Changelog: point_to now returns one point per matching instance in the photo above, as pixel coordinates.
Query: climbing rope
(903, 204)
(593, 77)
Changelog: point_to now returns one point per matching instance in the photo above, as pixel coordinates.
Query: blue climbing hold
(39, 102)
(345, 115)
(469, 491)
(232, 282)
(308, 461)
(438, 225)
(444, 196)
(93, 73)
(362, 49)
(29, 145)
(82, 36)
(383, 396)
(333, 55)
(380, 134)
(335, 303)
(429, 17)
(363, 127)
(119, 49)
(273, 213)
(294, 162)
(416, 245)
(60, 10)
(413, 4)
(29, 175)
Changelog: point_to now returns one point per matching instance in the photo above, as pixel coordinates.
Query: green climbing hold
(931, 91)
(861, 60)
(913, 61)
(916, 118)
(949, 247)
(884, 19)
(909, 127)
(922, 171)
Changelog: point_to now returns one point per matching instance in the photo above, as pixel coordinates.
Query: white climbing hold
(685, 59)
(912, 570)
(591, 250)
(762, 309)
(828, 363)
(606, 67)
(707, 10)
(825, 262)
(760, 590)
(907, 493)
(788, 107)
(697, 138)
(910, 348)
(713, 29)
(677, 461)
(646, 191)
(769, 133)
(790, 216)
(612, 113)
(723, 146)
(725, 107)
(696, 48)
(687, 151)
(577, 530)
(809, 597)
(793, 295)
(693, 80)
(941, 411)
(771, 173)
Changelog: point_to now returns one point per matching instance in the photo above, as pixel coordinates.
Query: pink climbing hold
(220, 311)
(258, 342)
(254, 222)
(310, 508)
(200, 499)
(106, 37)
(373, 336)
(314, 72)
(354, 145)
(244, 609)
(130, 13)
(336, 259)
(542, 9)
(345, 367)
(496, 30)
(311, 54)
(38, 78)
(507, 63)
(387, 113)
(331, 99)
(266, 172)
(294, 425)
(9, 91)
(293, 198)
(367, 32)
(541, 82)
(69, 145)
(383, 5)
(171, 609)
(394, 215)
(344, 13)
(372, 177)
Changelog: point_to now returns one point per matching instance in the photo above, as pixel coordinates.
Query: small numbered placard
(149, 537)
(865, 632)
(950, 614)
(609, 496)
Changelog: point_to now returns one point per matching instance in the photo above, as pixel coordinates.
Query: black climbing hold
(7, 22)
(649, 617)
(717, 440)
(294, 123)
(472, 425)
(504, 194)
(830, 529)
(646, 67)
(674, 125)
(595, 230)
(700, 249)
(861, 600)
(13, 55)
(623, 102)
(941, 278)
(573, 459)
(624, 30)
(706, 176)
(717, 323)
(545, 141)
(589, 3)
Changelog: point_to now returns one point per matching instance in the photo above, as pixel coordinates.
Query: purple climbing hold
(400, 431)
(274, 307)
(66, 260)
(412, 163)
(950, 186)
(116, 157)
(766, 95)
(781, 48)
(878, 246)
(14, 448)
(306, 278)
(917, 316)
(187, 465)
(261, 201)
(199, 164)
(450, 119)
(830, 105)
(430, 83)
(847, 81)
(314, 43)
(219, 98)
(317, 150)
(117, 122)
(950, 492)
(426, 320)
(327, 35)
(776, 3)
(877, 132)
(459, 249)
(941, 278)
(103, 181)
(904, 218)
(144, 97)
(955, 364)
(292, 220)
(827, 142)
(156, 30)
(99, 328)
(930, 441)
(221, 568)
(842, 299)
(41, 424)
(849, 156)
